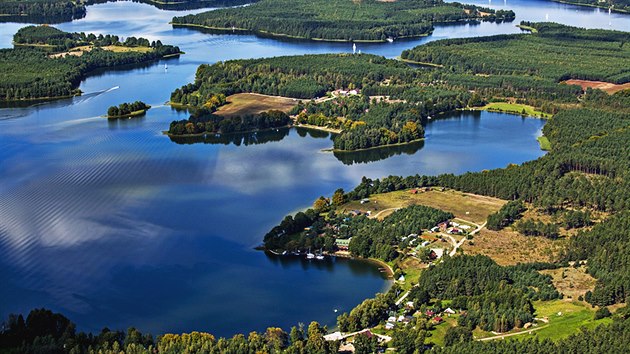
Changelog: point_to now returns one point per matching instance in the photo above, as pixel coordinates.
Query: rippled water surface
(115, 225)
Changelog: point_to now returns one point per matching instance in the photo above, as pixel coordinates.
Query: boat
(309, 255)
(319, 257)
(390, 40)
(165, 66)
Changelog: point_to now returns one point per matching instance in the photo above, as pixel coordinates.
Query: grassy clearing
(507, 247)
(437, 335)
(121, 49)
(572, 282)
(244, 104)
(515, 108)
(565, 318)
(412, 268)
(544, 143)
(471, 207)
(78, 51)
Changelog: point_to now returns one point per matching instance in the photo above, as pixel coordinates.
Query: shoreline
(283, 35)
(387, 269)
(165, 132)
(592, 6)
(374, 147)
(318, 128)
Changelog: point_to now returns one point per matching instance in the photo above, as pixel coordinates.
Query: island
(41, 11)
(58, 11)
(127, 110)
(47, 63)
(341, 20)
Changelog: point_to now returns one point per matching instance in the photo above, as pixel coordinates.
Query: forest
(315, 229)
(365, 123)
(58, 11)
(216, 124)
(127, 109)
(34, 69)
(552, 52)
(41, 11)
(342, 20)
(43, 331)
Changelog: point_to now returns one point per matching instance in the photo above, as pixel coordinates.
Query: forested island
(58, 11)
(48, 63)
(341, 20)
(41, 11)
(126, 110)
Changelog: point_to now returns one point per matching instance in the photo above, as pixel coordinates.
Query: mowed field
(470, 207)
(245, 104)
(604, 86)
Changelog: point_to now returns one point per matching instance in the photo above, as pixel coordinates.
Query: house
(402, 278)
(409, 304)
(400, 318)
(450, 311)
(365, 200)
(343, 243)
(435, 229)
(429, 313)
(346, 348)
(389, 325)
(334, 336)
(443, 226)
(353, 92)
(391, 319)
(439, 252)
(413, 191)
(425, 243)
(437, 319)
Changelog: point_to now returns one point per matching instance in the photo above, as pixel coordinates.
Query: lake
(113, 224)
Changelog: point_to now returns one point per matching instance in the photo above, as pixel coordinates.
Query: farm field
(245, 104)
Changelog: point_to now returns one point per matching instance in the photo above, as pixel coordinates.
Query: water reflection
(252, 138)
(372, 155)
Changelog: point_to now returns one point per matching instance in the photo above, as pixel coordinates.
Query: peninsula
(341, 20)
(65, 59)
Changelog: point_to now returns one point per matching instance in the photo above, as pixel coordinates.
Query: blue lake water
(115, 225)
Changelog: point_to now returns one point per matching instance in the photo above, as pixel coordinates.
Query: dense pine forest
(346, 20)
(41, 11)
(58, 11)
(49, 63)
